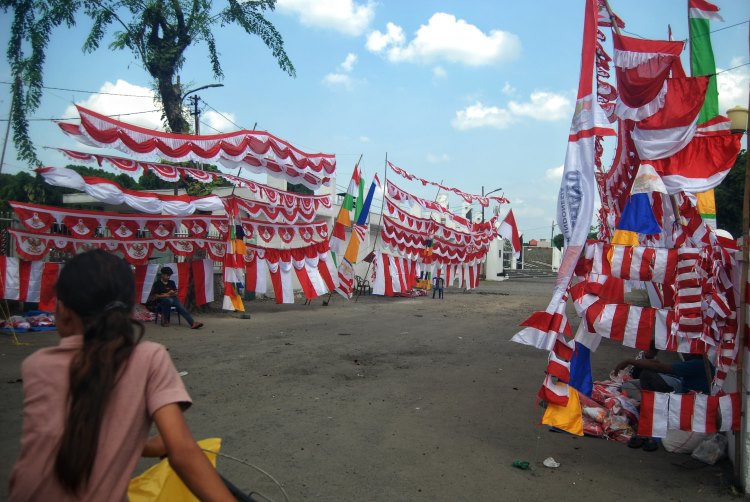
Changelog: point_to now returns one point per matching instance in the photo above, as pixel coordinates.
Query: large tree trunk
(171, 99)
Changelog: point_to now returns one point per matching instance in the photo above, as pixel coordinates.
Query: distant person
(89, 402)
(165, 293)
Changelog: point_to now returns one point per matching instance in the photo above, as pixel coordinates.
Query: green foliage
(729, 197)
(24, 187)
(158, 32)
(558, 241)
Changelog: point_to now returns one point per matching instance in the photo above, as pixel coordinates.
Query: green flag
(700, 12)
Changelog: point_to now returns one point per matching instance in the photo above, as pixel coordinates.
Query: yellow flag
(568, 418)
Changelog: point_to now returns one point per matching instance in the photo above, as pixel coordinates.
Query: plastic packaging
(711, 450)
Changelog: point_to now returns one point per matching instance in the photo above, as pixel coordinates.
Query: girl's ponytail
(100, 289)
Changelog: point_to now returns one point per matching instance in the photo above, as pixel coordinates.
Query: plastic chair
(438, 283)
(157, 312)
(363, 286)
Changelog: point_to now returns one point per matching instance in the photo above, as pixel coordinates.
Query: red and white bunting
(484, 201)
(654, 412)
(257, 151)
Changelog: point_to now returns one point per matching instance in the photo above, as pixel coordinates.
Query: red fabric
(24, 278)
(639, 86)
(251, 275)
(199, 282)
(544, 321)
(558, 371)
(48, 296)
(183, 271)
(304, 280)
(703, 157)
(278, 290)
(684, 100)
(646, 421)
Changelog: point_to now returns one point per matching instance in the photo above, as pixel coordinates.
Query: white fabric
(378, 285)
(285, 269)
(726, 407)
(535, 338)
(654, 144)
(261, 281)
(148, 281)
(208, 279)
(699, 412)
(11, 281)
(661, 415)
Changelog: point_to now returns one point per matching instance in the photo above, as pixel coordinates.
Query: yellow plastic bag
(161, 484)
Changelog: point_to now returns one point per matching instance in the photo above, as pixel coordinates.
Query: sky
(469, 94)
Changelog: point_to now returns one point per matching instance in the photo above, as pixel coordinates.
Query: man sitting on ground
(165, 293)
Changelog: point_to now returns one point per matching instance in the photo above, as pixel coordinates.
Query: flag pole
(380, 222)
(330, 293)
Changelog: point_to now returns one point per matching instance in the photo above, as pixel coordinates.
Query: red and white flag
(730, 408)
(705, 413)
(508, 230)
(703, 10)
(654, 414)
(203, 281)
(681, 408)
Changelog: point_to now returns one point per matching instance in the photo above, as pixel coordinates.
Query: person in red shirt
(89, 402)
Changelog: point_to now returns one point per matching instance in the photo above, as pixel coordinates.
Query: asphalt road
(389, 400)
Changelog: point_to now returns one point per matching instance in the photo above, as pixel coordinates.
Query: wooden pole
(380, 222)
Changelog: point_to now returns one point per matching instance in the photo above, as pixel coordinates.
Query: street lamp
(195, 100)
(484, 195)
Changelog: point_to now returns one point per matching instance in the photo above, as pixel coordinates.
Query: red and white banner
(258, 151)
(203, 281)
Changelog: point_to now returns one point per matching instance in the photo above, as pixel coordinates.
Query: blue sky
(470, 93)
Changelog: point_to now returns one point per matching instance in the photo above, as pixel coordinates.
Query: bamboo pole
(380, 222)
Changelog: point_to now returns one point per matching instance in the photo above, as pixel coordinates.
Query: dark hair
(167, 270)
(100, 288)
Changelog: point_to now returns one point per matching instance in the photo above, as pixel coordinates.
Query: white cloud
(218, 122)
(128, 101)
(554, 173)
(364, 139)
(342, 78)
(349, 61)
(478, 115)
(733, 86)
(439, 72)
(339, 80)
(445, 38)
(345, 16)
(438, 158)
(508, 89)
(545, 106)
(377, 41)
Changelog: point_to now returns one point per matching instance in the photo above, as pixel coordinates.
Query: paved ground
(391, 400)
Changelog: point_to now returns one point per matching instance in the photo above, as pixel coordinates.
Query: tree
(158, 32)
(729, 197)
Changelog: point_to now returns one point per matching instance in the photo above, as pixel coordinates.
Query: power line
(76, 118)
(89, 92)
(691, 38)
(222, 115)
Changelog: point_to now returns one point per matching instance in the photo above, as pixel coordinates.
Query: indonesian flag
(681, 408)
(203, 281)
(729, 406)
(509, 231)
(344, 220)
(20, 280)
(654, 414)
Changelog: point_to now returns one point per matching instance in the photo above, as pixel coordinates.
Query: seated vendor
(165, 293)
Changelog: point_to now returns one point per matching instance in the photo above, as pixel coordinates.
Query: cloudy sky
(469, 94)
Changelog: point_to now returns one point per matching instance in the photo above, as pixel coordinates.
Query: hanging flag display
(344, 219)
(508, 230)
(263, 193)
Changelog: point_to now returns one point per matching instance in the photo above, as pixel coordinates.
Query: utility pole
(482, 204)
(552, 233)
(196, 113)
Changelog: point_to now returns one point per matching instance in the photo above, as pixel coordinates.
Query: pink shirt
(148, 382)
